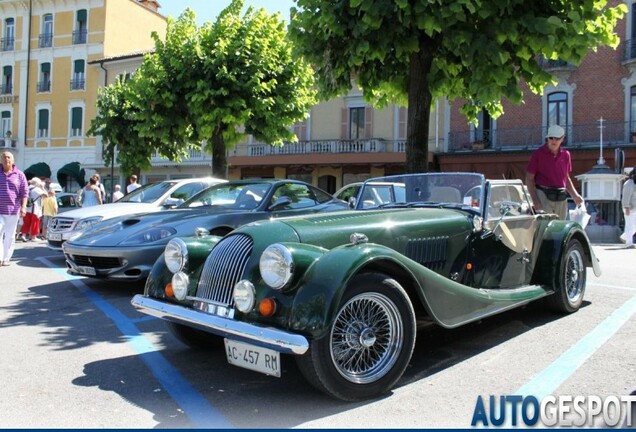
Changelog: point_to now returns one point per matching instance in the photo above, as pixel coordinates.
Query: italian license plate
(252, 357)
(89, 271)
(55, 237)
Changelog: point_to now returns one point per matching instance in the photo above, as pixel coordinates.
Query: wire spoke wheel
(574, 280)
(365, 338)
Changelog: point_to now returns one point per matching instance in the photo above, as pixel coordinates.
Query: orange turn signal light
(267, 307)
(168, 290)
(469, 266)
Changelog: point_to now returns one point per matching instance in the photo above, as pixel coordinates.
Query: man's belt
(554, 194)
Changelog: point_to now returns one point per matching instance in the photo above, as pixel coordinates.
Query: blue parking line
(195, 406)
(549, 379)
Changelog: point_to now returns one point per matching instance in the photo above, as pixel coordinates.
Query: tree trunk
(419, 111)
(219, 157)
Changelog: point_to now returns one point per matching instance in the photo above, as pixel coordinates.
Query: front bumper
(268, 337)
(122, 263)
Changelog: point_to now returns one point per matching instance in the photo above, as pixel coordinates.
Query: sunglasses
(554, 138)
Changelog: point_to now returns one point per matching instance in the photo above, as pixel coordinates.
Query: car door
(502, 252)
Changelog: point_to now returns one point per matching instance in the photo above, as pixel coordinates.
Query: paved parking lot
(77, 355)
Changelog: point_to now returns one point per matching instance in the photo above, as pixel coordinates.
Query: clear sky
(208, 10)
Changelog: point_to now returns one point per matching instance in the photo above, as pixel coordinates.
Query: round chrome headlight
(276, 265)
(180, 283)
(244, 295)
(176, 255)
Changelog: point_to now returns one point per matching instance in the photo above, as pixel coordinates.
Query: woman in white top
(91, 195)
(629, 209)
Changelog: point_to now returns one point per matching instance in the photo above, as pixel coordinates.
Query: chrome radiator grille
(223, 269)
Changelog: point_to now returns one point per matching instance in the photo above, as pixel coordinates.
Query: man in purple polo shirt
(548, 175)
(14, 191)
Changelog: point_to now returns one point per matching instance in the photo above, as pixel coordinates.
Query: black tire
(570, 280)
(194, 338)
(369, 344)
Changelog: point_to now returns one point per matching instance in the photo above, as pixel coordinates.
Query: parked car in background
(126, 248)
(148, 198)
(372, 195)
(344, 292)
(67, 201)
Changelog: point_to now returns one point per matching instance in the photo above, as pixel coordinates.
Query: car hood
(108, 211)
(112, 233)
(387, 227)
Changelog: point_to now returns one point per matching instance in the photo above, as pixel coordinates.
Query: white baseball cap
(555, 131)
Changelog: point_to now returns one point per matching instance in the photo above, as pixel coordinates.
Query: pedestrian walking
(548, 175)
(133, 184)
(91, 195)
(31, 226)
(628, 202)
(13, 199)
(118, 194)
(49, 210)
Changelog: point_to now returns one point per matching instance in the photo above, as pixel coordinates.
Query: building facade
(48, 93)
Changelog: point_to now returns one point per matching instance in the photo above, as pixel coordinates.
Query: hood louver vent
(429, 251)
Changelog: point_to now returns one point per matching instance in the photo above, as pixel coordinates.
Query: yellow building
(48, 90)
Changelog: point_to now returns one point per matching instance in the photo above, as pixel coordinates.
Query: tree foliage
(410, 51)
(216, 83)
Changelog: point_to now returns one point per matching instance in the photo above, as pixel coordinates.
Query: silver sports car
(126, 248)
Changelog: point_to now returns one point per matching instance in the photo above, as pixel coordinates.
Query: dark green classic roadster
(343, 292)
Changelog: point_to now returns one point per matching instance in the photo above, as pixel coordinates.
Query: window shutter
(45, 67)
(402, 119)
(81, 15)
(79, 66)
(344, 123)
(76, 118)
(43, 119)
(368, 122)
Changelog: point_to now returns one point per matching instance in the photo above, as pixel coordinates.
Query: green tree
(217, 83)
(411, 51)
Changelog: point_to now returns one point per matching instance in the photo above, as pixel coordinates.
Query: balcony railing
(195, 155)
(629, 50)
(6, 89)
(6, 143)
(554, 65)
(7, 44)
(372, 145)
(44, 86)
(577, 135)
(45, 40)
(78, 84)
(79, 37)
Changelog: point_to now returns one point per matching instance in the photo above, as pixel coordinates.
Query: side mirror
(172, 202)
(352, 202)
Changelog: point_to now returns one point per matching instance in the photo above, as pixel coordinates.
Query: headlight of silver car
(176, 255)
(149, 236)
(276, 266)
(84, 224)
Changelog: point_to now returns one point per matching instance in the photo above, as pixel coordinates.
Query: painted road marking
(195, 406)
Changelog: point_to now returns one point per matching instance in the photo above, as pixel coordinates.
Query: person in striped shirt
(14, 191)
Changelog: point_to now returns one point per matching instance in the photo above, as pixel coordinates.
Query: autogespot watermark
(560, 411)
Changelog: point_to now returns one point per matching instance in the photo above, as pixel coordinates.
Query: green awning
(73, 171)
(40, 169)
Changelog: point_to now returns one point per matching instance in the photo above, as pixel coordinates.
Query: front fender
(322, 286)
